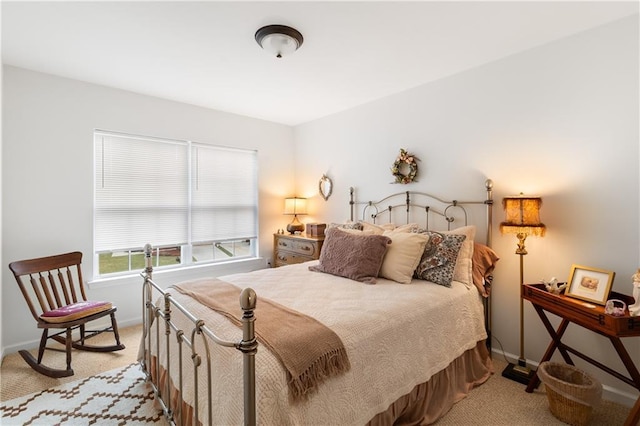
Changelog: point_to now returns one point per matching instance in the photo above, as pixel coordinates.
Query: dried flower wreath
(399, 169)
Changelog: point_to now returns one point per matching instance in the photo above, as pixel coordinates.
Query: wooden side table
(290, 249)
(595, 319)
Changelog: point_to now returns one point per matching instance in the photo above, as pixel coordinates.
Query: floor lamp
(522, 217)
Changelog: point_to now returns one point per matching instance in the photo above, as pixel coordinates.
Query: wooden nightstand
(289, 249)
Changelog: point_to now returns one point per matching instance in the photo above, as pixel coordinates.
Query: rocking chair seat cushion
(75, 311)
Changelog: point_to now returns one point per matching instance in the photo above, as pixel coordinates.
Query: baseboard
(33, 344)
(618, 396)
(130, 322)
(609, 393)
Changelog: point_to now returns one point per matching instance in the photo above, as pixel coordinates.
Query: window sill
(170, 276)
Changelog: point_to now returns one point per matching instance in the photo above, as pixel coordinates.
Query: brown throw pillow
(354, 256)
(484, 262)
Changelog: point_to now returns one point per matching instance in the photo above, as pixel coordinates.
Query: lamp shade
(522, 216)
(295, 206)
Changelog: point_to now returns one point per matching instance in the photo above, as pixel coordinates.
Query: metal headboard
(414, 204)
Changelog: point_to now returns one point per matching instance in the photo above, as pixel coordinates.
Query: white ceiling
(204, 53)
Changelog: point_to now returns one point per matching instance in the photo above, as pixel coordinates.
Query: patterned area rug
(117, 397)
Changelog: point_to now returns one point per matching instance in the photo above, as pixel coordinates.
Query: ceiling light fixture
(279, 40)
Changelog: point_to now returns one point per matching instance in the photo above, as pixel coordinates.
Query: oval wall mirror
(325, 186)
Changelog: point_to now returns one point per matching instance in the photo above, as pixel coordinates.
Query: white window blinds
(141, 192)
(224, 191)
(171, 193)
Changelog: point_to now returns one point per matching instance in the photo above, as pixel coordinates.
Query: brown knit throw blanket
(310, 351)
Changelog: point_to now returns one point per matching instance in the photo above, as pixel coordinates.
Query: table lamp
(295, 206)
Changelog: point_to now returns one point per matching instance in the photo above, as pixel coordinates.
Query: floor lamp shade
(295, 206)
(522, 217)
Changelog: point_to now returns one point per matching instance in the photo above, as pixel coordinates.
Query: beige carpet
(501, 401)
(18, 379)
(497, 402)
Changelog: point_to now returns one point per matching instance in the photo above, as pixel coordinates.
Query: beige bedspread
(397, 337)
(310, 351)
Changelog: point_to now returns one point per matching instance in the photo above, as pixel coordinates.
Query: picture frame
(590, 284)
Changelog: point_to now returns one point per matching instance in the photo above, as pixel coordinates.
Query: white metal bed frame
(248, 345)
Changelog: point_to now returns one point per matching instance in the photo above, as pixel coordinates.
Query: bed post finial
(148, 264)
(249, 346)
(489, 185)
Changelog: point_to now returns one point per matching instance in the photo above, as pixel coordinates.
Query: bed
(399, 345)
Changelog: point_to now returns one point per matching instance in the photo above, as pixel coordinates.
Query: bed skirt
(425, 404)
(429, 401)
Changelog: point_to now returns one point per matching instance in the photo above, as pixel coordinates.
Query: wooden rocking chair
(56, 286)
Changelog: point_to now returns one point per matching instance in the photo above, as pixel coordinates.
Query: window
(192, 202)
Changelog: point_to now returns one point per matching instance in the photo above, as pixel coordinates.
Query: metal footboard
(157, 317)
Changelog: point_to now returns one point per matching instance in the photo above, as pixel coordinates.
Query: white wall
(1, 70)
(47, 177)
(560, 121)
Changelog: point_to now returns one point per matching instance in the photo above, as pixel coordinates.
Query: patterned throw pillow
(438, 261)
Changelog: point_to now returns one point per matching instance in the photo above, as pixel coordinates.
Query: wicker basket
(571, 392)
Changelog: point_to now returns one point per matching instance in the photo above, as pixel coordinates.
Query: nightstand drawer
(289, 258)
(306, 248)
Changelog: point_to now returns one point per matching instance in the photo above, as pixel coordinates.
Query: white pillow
(409, 227)
(360, 232)
(402, 256)
(463, 271)
(377, 229)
